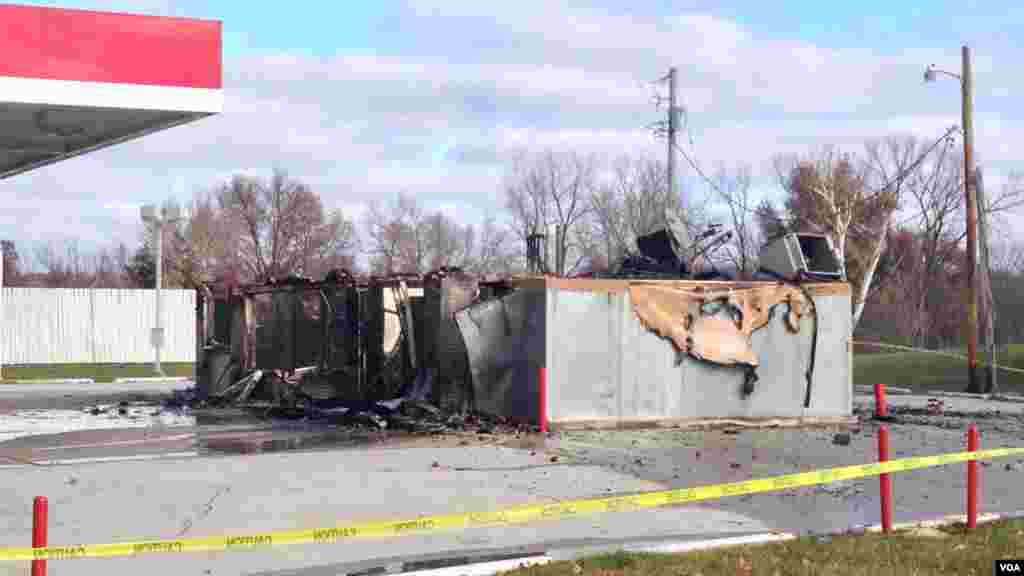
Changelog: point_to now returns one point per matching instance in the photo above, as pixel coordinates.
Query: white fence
(92, 326)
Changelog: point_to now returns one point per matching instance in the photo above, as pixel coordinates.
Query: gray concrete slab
(687, 458)
(156, 387)
(164, 499)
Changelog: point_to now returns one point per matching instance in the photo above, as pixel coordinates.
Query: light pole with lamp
(930, 75)
(168, 215)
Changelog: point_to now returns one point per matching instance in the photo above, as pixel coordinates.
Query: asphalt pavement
(124, 501)
(102, 501)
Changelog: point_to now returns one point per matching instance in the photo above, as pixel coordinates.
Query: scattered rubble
(182, 398)
(942, 415)
(841, 439)
(842, 488)
(21, 423)
(410, 412)
(926, 532)
(128, 410)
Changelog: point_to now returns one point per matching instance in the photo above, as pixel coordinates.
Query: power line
(903, 173)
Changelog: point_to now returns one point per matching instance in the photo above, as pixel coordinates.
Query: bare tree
(934, 210)
(1008, 256)
(634, 202)
(203, 247)
(404, 238)
(553, 190)
(448, 243)
(329, 244)
(105, 269)
(493, 253)
(1002, 208)
(11, 263)
(63, 264)
(284, 227)
(397, 237)
(828, 193)
(733, 191)
(932, 193)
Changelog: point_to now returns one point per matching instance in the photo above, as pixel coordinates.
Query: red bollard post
(542, 400)
(883, 480)
(39, 524)
(881, 408)
(972, 479)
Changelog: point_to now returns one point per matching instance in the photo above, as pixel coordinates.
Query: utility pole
(973, 381)
(991, 386)
(672, 128)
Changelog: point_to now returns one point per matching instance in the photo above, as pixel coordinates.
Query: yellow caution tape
(514, 515)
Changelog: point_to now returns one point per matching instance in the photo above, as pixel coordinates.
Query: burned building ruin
(642, 344)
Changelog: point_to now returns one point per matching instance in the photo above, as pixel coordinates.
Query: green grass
(924, 371)
(955, 551)
(98, 372)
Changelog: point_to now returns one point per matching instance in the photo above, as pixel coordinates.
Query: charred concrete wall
(603, 365)
(506, 346)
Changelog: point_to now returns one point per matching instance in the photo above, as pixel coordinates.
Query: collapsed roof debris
(409, 412)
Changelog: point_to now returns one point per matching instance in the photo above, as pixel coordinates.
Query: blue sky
(367, 99)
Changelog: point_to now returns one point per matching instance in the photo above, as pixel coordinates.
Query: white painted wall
(93, 326)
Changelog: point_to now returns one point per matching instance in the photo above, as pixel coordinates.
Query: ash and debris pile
(409, 412)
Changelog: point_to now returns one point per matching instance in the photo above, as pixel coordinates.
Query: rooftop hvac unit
(794, 255)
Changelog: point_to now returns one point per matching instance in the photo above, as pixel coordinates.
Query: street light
(930, 75)
(168, 215)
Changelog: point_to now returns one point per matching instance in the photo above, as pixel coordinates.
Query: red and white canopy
(73, 81)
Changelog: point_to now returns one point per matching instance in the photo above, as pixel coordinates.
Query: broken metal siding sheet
(457, 292)
(692, 317)
(505, 345)
(102, 326)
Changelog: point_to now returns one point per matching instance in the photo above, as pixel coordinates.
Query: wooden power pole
(973, 382)
(991, 386)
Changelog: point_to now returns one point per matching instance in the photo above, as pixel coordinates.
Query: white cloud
(493, 78)
(124, 213)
